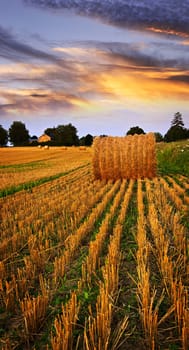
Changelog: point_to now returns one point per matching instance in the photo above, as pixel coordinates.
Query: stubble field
(90, 264)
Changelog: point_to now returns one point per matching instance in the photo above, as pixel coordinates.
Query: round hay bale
(130, 157)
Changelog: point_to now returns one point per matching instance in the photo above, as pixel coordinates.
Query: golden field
(20, 165)
(90, 264)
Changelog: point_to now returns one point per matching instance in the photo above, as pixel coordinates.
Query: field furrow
(91, 264)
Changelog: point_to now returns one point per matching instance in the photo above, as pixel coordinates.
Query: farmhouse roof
(44, 138)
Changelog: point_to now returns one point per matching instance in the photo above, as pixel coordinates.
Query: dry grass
(64, 325)
(34, 310)
(71, 231)
(26, 164)
(22, 155)
(98, 332)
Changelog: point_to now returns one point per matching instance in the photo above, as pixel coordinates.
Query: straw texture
(130, 157)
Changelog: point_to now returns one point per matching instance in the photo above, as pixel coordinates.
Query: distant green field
(173, 158)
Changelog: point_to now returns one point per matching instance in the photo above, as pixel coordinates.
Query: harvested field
(23, 165)
(93, 264)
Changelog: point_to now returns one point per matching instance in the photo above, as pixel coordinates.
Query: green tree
(135, 130)
(66, 135)
(177, 120)
(158, 137)
(176, 131)
(18, 134)
(3, 136)
(52, 132)
(82, 141)
(86, 140)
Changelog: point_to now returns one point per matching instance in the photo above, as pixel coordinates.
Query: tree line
(66, 135)
(62, 135)
(176, 132)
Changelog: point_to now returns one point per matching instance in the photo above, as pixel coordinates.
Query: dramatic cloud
(180, 78)
(148, 55)
(24, 101)
(60, 76)
(120, 72)
(170, 17)
(13, 49)
(39, 95)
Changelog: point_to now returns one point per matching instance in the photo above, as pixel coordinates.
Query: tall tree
(177, 120)
(18, 134)
(135, 130)
(3, 136)
(176, 131)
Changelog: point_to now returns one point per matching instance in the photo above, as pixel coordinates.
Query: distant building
(44, 138)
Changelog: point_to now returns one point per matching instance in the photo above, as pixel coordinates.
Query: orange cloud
(76, 51)
(185, 42)
(167, 31)
(143, 86)
(23, 69)
(107, 81)
(26, 101)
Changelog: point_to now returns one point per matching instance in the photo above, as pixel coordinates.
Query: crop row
(62, 248)
(38, 164)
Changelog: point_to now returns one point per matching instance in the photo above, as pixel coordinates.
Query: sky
(104, 66)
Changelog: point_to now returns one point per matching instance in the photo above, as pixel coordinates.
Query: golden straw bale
(130, 157)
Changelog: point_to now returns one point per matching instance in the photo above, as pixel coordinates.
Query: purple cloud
(13, 49)
(168, 16)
